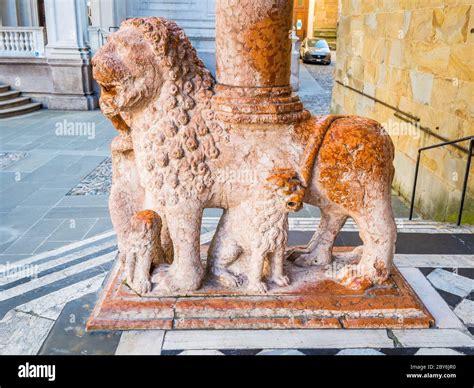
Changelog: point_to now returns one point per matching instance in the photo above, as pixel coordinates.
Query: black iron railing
(104, 34)
(466, 174)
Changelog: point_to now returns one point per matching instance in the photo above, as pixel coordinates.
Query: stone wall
(418, 57)
(325, 14)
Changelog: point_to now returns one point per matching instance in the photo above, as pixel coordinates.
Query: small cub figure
(143, 250)
(261, 235)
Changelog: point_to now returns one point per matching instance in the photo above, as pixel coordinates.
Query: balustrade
(22, 42)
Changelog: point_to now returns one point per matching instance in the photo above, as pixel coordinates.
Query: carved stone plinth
(312, 300)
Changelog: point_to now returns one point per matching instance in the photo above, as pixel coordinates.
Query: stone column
(28, 13)
(9, 13)
(19, 13)
(312, 5)
(253, 55)
(68, 55)
(107, 13)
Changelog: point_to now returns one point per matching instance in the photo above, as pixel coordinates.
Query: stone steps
(329, 34)
(4, 88)
(9, 94)
(12, 104)
(20, 110)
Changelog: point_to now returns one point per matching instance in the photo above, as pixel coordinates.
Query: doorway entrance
(300, 18)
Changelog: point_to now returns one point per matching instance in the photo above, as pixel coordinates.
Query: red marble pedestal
(310, 302)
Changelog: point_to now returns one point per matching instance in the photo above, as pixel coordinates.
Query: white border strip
(61, 250)
(403, 225)
(275, 339)
(434, 261)
(443, 315)
(14, 270)
(56, 276)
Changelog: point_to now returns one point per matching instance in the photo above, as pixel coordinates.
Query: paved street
(37, 212)
(318, 102)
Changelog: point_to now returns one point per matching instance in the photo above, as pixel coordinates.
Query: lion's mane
(182, 135)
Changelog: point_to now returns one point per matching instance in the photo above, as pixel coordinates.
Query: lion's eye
(108, 88)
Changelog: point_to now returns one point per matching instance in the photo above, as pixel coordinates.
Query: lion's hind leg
(319, 249)
(221, 255)
(277, 275)
(256, 283)
(378, 231)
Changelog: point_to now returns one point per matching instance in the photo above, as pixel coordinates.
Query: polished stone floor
(36, 213)
(45, 301)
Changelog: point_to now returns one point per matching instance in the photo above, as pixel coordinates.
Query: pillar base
(71, 78)
(273, 105)
(311, 301)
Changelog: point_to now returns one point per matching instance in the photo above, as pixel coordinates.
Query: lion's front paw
(228, 280)
(313, 258)
(306, 260)
(258, 287)
(282, 280)
(354, 255)
(142, 286)
(177, 281)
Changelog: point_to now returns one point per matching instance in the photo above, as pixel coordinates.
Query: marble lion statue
(173, 157)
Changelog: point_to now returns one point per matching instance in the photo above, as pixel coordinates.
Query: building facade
(317, 19)
(45, 53)
(410, 65)
(46, 45)
(325, 20)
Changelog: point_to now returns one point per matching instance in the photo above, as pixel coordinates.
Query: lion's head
(287, 187)
(153, 81)
(138, 60)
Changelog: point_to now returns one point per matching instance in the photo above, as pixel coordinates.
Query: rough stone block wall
(325, 13)
(416, 56)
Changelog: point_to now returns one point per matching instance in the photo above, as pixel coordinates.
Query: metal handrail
(104, 34)
(466, 175)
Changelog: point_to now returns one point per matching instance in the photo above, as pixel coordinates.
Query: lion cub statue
(143, 250)
(256, 232)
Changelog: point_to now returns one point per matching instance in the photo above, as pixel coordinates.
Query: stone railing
(22, 42)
